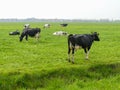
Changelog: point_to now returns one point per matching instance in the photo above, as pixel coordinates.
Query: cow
(46, 26)
(60, 33)
(14, 33)
(32, 32)
(64, 25)
(84, 41)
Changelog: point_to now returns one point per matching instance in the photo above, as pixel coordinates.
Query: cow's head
(96, 36)
(21, 38)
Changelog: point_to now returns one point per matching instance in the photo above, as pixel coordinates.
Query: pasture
(43, 65)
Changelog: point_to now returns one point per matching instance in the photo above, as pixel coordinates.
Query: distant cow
(32, 32)
(14, 33)
(64, 25)
(81, 40)
(60, 33)
(46, 26)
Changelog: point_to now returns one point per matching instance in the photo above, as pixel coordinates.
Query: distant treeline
(57, 20)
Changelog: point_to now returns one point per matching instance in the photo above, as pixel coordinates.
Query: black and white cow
(14, 33)
(32, 32)
(60, 33)
(64, 25)
(84, 41)
(46, 26)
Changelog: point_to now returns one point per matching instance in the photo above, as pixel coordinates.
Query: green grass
(43, 65)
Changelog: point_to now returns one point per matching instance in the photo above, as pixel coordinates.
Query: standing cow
(64, 25)
(32, 32)
(81, 41)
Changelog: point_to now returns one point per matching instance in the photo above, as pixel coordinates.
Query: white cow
(47, 26)
(60, 33)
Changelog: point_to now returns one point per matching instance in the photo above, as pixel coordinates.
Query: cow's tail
(69, 36)
(69, 42)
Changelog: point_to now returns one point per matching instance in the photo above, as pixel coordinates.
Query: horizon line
(60, 18)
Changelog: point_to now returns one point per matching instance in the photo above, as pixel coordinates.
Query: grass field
(43, 65)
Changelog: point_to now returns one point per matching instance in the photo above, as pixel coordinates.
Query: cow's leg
(73, 49)
(26, 37)
(69, 50)
(37, 36)
(86, 53)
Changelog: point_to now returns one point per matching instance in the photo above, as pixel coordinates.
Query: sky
(60, 9)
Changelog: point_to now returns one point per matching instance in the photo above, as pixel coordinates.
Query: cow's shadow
(105, 70)
(97, 71)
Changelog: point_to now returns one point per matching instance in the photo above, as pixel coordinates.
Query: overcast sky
(60, 9)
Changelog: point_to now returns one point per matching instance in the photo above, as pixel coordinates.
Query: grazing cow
(14, 33)
(46, 26)
(32, 32)
(84, 41)
(60, 33)
(64, 25)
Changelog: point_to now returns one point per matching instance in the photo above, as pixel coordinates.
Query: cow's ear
(97, 33)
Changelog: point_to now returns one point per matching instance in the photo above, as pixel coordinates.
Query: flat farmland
(43, 64)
